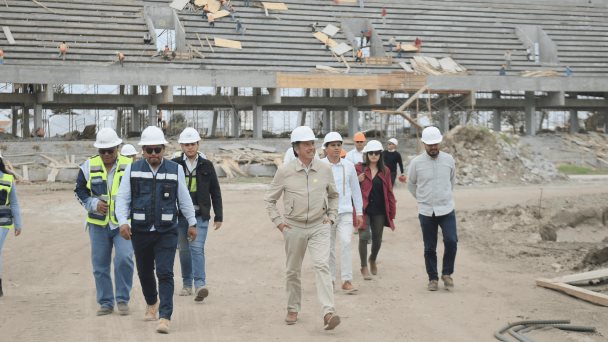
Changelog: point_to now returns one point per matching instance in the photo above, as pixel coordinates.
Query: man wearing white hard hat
(392, 159)
(431, 179)
(97, 186)
(151, 191)
(310, 203)
(129, 150)
(349, 192)
(204, 188)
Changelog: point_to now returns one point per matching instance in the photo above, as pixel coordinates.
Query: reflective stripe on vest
(98, 185)
(6, 214)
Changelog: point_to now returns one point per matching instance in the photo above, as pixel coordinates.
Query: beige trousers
(316, 239)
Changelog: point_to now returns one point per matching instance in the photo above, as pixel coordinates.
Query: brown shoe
(372, 266)
(433, 286)
(163, 326)
(201, 294)
(365, 273)
(331, 321)
(291, 318)
(348, 288)
(448, 282)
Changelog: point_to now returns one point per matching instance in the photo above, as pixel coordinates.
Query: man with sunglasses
(149, 196)
(205, 191)
(96, 189)
(355, 155)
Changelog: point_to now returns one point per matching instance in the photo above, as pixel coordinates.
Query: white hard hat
(331, 137)
(128, 150)
(393, 141)
(188, 135)
(152, 135)
(302, 133)
(372, 145)
(431, 136)
(106, 138)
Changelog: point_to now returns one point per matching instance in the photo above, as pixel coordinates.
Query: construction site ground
(50, 293)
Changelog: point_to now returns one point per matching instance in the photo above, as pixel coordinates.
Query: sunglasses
(374, 153)
(153, 150)
(106, 151)
(359, 142)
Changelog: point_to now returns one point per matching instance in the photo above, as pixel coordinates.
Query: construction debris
(330, 30)
(517, 329)
(539, 73)
(237, 155)
(568, 285)
(8, 35)
(432, 66)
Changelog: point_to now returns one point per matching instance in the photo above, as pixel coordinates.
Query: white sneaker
(151, 312)
(186, 291)
(163, 326)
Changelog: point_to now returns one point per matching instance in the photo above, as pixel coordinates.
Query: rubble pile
(484, 157)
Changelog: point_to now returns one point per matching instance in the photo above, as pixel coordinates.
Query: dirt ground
(50, 293)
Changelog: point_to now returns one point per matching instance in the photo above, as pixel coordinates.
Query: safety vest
(6, 214)
(98, 185)
(154, 196)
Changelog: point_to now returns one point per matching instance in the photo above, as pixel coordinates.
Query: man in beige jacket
(310, 202)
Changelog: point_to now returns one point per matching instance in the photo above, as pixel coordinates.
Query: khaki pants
(316, 239)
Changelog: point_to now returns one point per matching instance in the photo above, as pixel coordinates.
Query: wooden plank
(52, 175)
(200, 3)
(406, 67)
(584, 277)
(208, 42)
(214, 6)
(327, 68)
(200, 41)
(408, 48)
(341, 49)
(179, 4)
(330, 30)
(412, 99)
(227, 43)
(221, 14)
(52, 160)
(584, 294)
(393, 81)
(25, 172)
(276, 6)
(322, 37)
(43, 5)
(195, 50)
(262, 148)
(8, 35)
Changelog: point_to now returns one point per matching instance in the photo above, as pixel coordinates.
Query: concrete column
(37, 116)
(236, 123)
(444, 115)
(530, 120)
(152, 118)
(605, 121)
(327, 125)
(258, 121)
(119, 114)
(218, 91)
(353, 121)
(14, 120)
(574, 121)
(135, 115)
(339, 115)
(496, 120)
(25, 122)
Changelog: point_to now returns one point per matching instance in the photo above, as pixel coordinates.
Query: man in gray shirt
(431, 177)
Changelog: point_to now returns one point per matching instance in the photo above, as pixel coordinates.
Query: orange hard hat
(359, 136)
(343, 153)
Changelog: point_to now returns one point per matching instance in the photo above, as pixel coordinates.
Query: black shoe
(1, 294)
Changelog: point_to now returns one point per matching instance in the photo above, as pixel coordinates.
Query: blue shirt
(123, 198)
(14, 206)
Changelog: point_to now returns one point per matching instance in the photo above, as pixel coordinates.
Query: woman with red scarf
(378, 204)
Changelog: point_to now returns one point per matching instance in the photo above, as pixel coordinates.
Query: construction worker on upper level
(205, 192)
(96, 189)
(10, 215)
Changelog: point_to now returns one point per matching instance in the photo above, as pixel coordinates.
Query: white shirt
(354, 156)
(347, 185)
(431, 181)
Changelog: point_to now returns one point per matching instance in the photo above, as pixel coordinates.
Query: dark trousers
(429, 225)
(375, 227)
(156, 249)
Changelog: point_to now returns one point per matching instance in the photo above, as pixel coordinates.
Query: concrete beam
(46, 95)
(274, 97)
(517, 83)
(555, 99)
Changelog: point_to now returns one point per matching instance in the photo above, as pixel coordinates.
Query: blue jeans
(192, 254)
(3, 234)
(429, 226)
(156, 249)
(102, 241)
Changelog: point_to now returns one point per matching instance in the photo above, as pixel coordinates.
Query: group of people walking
(329, 198)
(143, 210)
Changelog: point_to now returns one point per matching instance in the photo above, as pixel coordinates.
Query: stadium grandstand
(454, 57)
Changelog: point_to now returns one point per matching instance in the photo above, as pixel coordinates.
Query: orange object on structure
(359, 136)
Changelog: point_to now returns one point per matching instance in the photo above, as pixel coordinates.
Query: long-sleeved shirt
(15, 210)
(123, 198)
(392, 159)
(347, 184)
(431, 181)
(83, 194)
(309, 195)
(354, 156)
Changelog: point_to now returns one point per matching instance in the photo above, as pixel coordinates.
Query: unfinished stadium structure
(459, 56)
